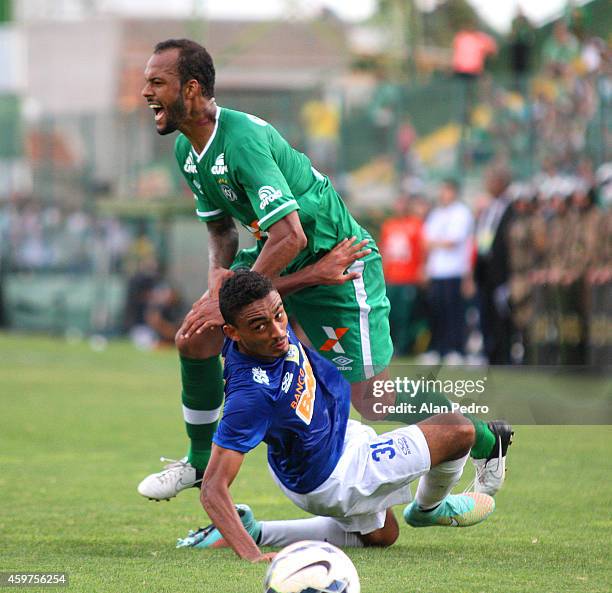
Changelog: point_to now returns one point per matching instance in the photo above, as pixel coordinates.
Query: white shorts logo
(267, 195)
(260, 376)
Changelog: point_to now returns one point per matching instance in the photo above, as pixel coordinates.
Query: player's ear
(192, 89)
(231, 332)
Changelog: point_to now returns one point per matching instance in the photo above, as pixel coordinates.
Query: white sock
(283, 533)
(437, 483)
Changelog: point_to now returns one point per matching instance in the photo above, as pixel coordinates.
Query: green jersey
(248, 171)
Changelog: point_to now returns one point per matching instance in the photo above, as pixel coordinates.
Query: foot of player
(456, 510)
(490, 473)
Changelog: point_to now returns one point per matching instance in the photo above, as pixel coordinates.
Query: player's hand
(331, 268)
(268, 557)
(204, 315)
(216, 278)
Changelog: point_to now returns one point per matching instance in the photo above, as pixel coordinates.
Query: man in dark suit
(492, 271)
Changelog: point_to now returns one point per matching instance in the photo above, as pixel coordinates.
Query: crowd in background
(47, 239)
(38, 237)
(533, 258)
(549, 114)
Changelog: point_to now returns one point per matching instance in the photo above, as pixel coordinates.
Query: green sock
(485, 439)
(202, 397)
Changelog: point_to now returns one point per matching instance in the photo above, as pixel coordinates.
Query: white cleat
(175, 477)
(491, 472)
(490, 475)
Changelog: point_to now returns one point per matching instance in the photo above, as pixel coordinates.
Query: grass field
(79, 429)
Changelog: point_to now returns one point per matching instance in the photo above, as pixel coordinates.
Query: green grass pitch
(79, 429)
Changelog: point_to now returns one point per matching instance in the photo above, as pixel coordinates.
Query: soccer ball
(311, 567)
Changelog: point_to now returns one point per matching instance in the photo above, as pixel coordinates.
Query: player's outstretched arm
(222, 468)
(330, 269)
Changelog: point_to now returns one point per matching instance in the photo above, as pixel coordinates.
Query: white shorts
(372, 474)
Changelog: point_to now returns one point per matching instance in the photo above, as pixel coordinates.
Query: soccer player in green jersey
(240, 168)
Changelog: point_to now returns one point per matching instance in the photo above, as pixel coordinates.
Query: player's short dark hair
(242, 289)
(194, 62)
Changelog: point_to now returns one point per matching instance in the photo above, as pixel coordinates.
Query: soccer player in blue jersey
(240, 168)
(288, 396)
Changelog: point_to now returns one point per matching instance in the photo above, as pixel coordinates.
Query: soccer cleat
(491, 472)
(175, 477)
(456, 510)
(207, 537)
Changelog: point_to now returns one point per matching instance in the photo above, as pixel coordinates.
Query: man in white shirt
(448, 230)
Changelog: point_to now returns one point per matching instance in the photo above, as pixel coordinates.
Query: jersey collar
(212, 136)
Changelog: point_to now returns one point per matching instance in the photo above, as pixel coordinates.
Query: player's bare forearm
(330, 269)
(222, 244)
(222, 468)
(299, 280)
(217, 502)
(286, 239)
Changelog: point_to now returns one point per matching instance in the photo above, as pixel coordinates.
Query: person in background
(521, 44)
(524, 255)
(560, 50)
(403, 252)
(470, 51)
(448, 230)
(164, 314)
(492, 269)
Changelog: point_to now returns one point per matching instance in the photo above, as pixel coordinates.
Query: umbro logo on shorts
(334, 335)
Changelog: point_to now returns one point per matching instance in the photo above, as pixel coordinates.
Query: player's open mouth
(158, 110)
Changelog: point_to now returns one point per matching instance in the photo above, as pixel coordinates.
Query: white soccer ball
(311, 567)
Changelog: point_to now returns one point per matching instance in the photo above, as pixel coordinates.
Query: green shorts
(347, 323)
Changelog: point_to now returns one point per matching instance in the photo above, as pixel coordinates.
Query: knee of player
(366, 409)
(384, 539)
(465, 432)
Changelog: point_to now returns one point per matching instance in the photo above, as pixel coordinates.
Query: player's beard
(175, 114)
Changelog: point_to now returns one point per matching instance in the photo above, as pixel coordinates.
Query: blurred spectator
(402, 250)
(560, 50)
(521, 44)
(322, 125)
(448, 229)
(163, 315)
(470, 51)
(525, 251)
(492, 270)
(409, 165)
(599, 278)
(139, 290)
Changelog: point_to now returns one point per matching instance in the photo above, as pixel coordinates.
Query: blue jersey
(298, 405)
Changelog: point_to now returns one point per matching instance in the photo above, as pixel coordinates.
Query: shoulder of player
(181, 145)
(243, 129)
(244, 374)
